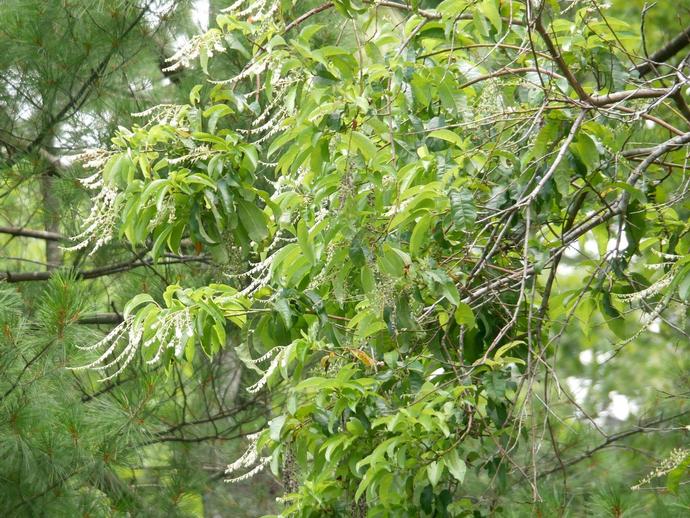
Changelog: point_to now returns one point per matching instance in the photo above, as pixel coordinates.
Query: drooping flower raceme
(249, 459)
(207, 43)
(128, 331)
(101, 221)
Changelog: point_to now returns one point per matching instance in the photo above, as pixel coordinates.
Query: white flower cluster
(650, 291)
(266, 356)
(667, 465)
(324, 274)
(249, 459)
(211, 41)
(271, 119)
(165, 213)
(650, 314)
(280, 356)
(659, 266)
(100, 224)
(261, 272)
(93, 182)
(255, 11)
(252, 69)
(199, 153)
(173, 330)
(171, 114)
(127, 330)
(267, 61)
(670, 257)
(94, 159)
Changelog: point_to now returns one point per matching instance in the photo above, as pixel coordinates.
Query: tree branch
(101, 319)
(37, 234)
(625, 95)
(560, 62)
(100, 272)
(609, 440)
(673, 47)
(299, 20)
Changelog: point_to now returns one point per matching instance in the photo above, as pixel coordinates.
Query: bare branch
(673, 47)
(100, 319)
(103, 271)
(610, 440)
(37, 234)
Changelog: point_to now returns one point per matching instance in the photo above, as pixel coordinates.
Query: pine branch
(105, 390)
(76, 101)
(26, 367)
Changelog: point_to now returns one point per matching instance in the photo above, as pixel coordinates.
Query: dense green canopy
(377, 259)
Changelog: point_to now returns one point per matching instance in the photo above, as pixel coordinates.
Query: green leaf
(203, 58)
(434, 472)
(138, 300)
(490, 9)
(214, 113)
(586, 151)
(419, 234)
(447, 135)
(161, 239)
(426, 499)
(676, 474)
(332, 444)
(462, 208)
(305, 241)
(614, 320)
(450, 292)
(464, 316)
(276, 426)
(373, 328)
(456, 466)
(282, 306)
(253, 219)
(363, 144)
(368, 281)
(635, 226)
(195, 94)
(684, 284)
(368, 478)
(391, 262)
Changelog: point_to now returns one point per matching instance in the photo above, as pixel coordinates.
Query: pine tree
(151, 442)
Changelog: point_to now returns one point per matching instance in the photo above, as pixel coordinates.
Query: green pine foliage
(153, 442)
(72, 446)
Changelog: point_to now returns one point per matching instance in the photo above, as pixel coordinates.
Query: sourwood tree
(425, 215)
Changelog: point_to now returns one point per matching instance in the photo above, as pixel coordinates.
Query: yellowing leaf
(363, 357)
